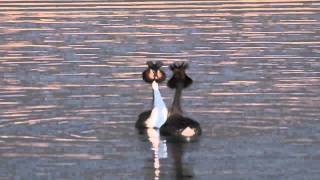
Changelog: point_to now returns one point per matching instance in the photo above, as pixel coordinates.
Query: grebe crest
(179, 76)
(153, 72)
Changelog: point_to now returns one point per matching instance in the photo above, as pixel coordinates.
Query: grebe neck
(159, 111)
(157, 98)
(176, 104)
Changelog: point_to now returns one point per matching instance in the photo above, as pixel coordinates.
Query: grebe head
(179, 75)
(153, 72)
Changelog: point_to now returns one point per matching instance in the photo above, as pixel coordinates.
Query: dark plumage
(177, 125)
(179, 76)
(140, 123)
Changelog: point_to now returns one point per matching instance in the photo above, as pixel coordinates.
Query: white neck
(157, 99)
(159, 112)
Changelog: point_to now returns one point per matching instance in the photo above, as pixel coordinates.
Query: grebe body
(177, 124)
(156, 117)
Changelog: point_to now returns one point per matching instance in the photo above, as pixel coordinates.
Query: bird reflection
(176, 151)
(159, 148)
(172, 151)
(166, 151)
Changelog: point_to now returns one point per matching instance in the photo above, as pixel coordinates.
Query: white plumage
(159, 112)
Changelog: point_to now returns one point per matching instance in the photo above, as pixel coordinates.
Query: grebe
(177, 125)
(156, 117)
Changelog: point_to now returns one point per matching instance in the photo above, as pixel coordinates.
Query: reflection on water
(71, 89)
(159, 148)
(167, 153)
(182, 171)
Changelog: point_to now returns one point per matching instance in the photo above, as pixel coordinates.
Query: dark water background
(71, 89)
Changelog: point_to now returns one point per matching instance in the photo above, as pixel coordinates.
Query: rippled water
(71, 89)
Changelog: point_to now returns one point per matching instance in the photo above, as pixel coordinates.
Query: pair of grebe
(172, 122)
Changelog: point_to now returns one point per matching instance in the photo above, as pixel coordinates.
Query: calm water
(71, 89)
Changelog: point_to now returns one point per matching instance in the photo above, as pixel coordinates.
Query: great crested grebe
(177, 125)
(156, 117)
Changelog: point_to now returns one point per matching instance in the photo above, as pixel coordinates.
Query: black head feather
(179, 76)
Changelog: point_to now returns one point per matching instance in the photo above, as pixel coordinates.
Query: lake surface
(71, 88)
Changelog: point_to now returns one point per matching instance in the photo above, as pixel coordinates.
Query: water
(71, 89)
